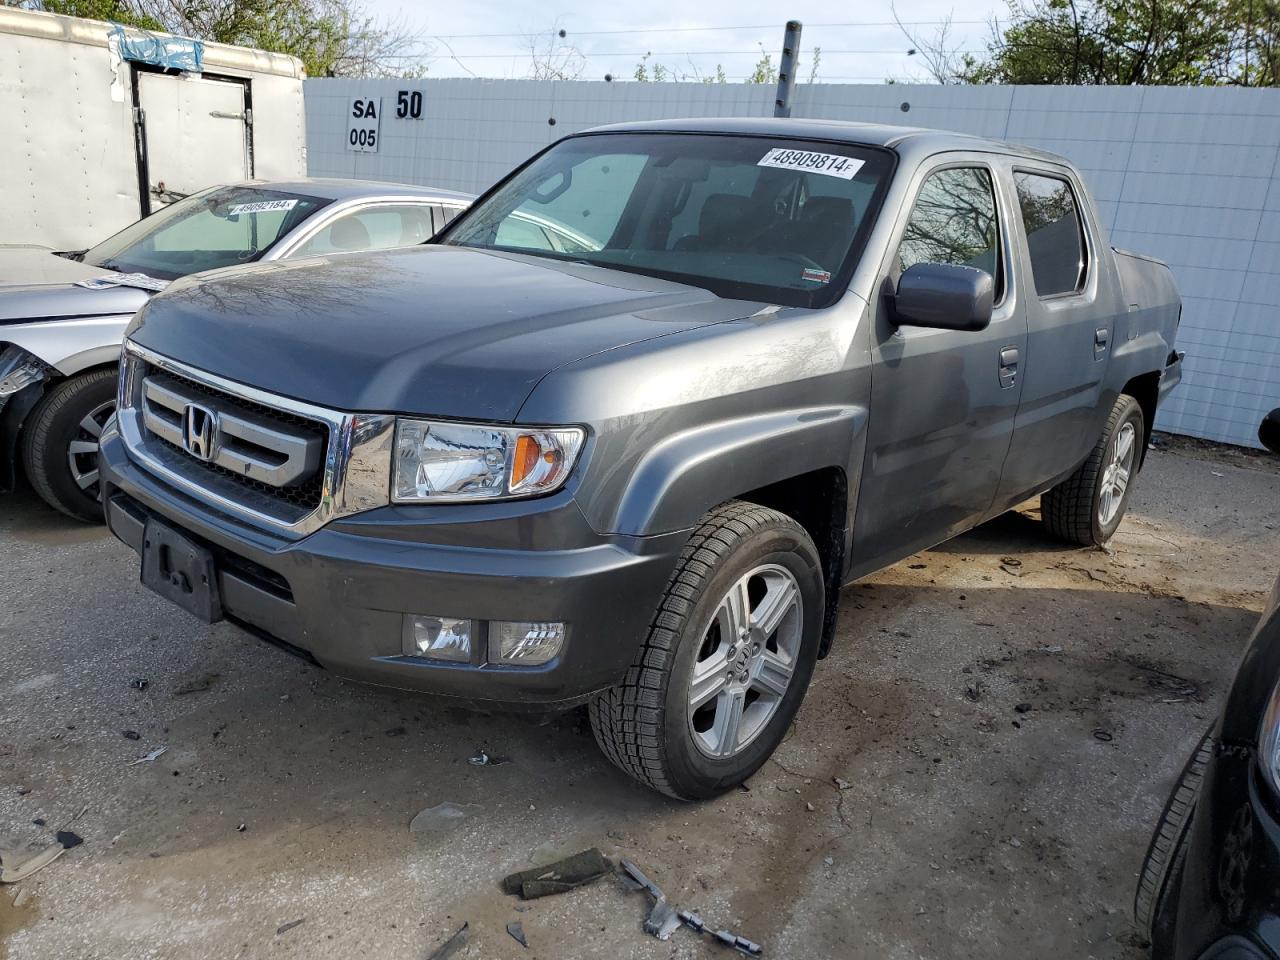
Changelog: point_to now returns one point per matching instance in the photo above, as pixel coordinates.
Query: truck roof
(916, 139)
(335, 188)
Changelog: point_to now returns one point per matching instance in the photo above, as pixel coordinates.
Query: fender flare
(684, 476)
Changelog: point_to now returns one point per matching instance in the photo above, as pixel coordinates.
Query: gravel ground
(973, 774)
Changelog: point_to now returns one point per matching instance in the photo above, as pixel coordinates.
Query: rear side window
(374, 228)
(1055, 235)
(954, 221)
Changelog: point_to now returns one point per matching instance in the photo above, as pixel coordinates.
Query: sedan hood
(37, 284)
(429, 330)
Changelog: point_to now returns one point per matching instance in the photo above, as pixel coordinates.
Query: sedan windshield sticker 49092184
(827, 164)
(262, 206)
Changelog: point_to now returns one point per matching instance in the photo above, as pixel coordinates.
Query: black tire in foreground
(727, 658)
(60, 442)
(1169, 846)
(1087, 507)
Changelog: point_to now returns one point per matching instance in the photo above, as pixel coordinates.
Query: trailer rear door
(196, 134)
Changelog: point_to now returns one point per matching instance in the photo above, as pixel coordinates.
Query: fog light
(437, 638)
(525, 642)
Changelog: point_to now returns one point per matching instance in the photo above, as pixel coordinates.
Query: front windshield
(745, 217)
(217, 228)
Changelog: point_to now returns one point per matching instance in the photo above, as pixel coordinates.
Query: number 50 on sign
(362, 124)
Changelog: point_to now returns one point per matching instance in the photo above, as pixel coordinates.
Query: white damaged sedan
(63, 314)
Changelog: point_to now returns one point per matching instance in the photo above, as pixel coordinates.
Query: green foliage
(764, 71)
(1177, 42)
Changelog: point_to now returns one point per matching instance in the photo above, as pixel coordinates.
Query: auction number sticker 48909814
(828, 164)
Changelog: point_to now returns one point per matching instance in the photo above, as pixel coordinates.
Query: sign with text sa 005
(362, 124)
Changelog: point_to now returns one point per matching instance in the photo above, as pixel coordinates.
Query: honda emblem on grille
(199, 431)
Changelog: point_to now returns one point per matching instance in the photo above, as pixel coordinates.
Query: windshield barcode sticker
(817, 276)
(261, 206)
(828, 164)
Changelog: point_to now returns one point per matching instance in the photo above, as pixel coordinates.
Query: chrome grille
(270, 451)
(273, 461)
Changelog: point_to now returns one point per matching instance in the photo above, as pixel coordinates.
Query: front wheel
(727, 659)
(1087, 507)
(60, 443)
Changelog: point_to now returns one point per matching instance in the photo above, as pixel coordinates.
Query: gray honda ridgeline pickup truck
(621, 431)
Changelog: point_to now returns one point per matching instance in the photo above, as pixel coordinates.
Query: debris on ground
(559, 877)
(139, 683)
(1103, 736)
(131, 734)
(286, 927)
(516, 929)
(442, 816)
(842, 784)
(153, 755)
(17, 865)
(664, 919)
(482, 759)
(451, 946)
(198, 684)
(741, 944)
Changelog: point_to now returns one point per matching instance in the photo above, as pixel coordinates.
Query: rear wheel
(60, 443)
(1088, 506)
(1157, 882)
(727, 659)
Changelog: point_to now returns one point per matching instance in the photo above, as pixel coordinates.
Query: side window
(444, 214)
(1055, 235)
(955, 221)
(373, 228)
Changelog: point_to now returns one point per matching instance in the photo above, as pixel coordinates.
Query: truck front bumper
(340, 596)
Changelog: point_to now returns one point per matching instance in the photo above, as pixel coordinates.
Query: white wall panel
(1187, 175)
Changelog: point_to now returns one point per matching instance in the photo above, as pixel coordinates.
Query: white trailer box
(98, 127)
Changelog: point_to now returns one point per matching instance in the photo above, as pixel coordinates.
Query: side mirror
(1269, 432)
(945, 296)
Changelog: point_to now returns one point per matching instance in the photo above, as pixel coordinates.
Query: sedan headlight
(1269, 741)
(442, 462)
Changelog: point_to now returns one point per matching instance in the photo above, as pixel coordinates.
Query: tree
(551, 58)
(1133, 42)
(332, 38)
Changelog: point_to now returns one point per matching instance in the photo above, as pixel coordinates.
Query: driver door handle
(1008, 367)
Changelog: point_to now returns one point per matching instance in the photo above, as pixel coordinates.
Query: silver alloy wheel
(1115, 478)
(746, 660)
(82, 452)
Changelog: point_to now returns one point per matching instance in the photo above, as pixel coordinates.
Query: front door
(193, 134)
(942, 402)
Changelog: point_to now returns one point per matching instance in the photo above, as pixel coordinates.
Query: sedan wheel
(82, 452)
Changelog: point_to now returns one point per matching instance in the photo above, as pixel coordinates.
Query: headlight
(442, 462)
(1269, 741)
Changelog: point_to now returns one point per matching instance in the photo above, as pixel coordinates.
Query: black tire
(1168, 848)
(644, 725)
(1071, 509)
(49, 431)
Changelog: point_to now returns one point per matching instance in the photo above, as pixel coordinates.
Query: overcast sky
(860, 44)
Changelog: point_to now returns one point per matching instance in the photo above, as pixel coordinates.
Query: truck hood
(37, 284)
(430, 330)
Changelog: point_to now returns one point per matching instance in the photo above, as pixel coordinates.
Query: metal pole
(787, 68)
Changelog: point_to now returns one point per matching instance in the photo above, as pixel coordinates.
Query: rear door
(942, 401)
(1070, 316)
(193, 134)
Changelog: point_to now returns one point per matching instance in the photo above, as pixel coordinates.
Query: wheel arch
(1145, 388)
(14, 416)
